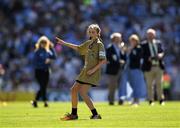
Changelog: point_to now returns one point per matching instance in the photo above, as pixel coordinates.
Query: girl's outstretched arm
(73, 46)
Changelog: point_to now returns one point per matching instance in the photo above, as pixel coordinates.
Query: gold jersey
(93, 53)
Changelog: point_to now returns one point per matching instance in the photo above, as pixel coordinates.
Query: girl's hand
(90, 72)
(59, 41)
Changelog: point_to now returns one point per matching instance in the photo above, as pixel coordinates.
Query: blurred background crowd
(22, 22)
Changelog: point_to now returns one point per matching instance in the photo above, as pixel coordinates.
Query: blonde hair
(96, 27)
(44, 39)
(134, 37)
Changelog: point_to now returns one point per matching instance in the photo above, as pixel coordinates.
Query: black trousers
(42, 77)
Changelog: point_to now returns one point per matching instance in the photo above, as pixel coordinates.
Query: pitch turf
(21, 114)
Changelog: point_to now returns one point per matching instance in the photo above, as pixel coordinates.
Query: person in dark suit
(153, 65)
(43, 55)
(116, 59)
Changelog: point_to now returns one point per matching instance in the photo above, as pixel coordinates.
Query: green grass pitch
(22, 114)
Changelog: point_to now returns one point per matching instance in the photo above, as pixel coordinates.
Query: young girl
(94, 52)
(42, 57)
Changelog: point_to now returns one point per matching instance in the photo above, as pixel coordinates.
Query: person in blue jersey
(43, 55)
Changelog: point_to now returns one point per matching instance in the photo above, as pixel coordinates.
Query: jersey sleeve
(102, 53)
(83, 48)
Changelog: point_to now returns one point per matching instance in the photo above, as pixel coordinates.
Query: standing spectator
(136, 78)
(124, 81)
(94, 53)
(44, 52)
(153, 66)
(116, 59)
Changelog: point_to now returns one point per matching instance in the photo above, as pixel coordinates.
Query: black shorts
(86, 83)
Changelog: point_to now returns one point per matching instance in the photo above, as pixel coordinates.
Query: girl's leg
(74, 100)
(74, 97)
(84, 94)
(74, 94)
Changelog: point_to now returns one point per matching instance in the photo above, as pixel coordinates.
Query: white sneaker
(162, 103)
(151, 103)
